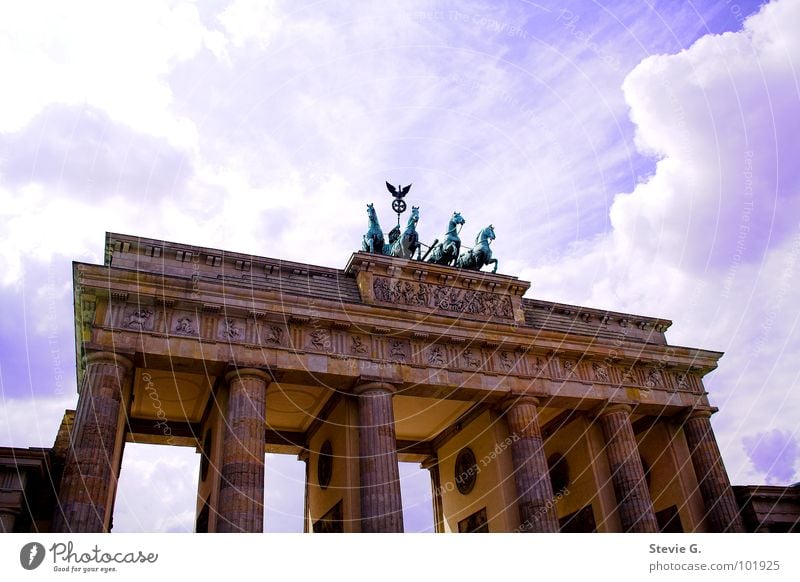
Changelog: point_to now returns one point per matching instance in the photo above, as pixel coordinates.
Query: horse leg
(495, 265)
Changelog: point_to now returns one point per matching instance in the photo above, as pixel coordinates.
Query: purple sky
(642, 159)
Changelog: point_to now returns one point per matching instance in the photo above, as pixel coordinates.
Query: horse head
(457, 219)
(487, 234)
(371, 211)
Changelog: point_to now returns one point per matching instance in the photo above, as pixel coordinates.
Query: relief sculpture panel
(450, 300)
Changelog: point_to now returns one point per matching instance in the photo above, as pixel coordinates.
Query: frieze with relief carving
(231, 330)
(436, 355)
(643, 375)
(507, 361)
(357, 346)
(139, 319)
(272, 335)
(442, 298)
(185, 325)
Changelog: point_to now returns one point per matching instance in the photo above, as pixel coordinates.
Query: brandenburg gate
(531, 416)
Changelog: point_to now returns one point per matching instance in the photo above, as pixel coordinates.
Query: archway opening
(157, 489)
(415, 488)
(284, 493)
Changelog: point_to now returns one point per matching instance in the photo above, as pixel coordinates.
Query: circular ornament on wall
(466, 471)
(325, 465)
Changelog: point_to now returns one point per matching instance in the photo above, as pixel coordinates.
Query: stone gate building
(530, 415)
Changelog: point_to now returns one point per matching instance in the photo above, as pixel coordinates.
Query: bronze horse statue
(373, 241)
(446, 252)
(405, 246)
(476, 258)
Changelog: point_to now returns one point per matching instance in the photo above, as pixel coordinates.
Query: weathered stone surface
(89, 472)
(438, 289)
(381, 505)
(721, 507)
(241, 497)
(634, 505)
(537, 510)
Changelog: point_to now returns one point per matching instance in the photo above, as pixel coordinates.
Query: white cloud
(31, 422)
(113, 57)
(157, 490)
(248, 20)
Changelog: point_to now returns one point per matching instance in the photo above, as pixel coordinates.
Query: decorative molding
(185, 325)
(398, 351)
(272, 335)
(442, 298)
(438, 289)
(230, 330)
(472, 354)
(436, 355)
(139, 319)
(357, 346)
(600, 372)
(653, 378)
(508, 360)
(470, 360)
(320, 338)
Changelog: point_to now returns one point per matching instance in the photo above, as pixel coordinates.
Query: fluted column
(537, 510)
(722, 511)
(432, 465)
(89, 471)
(634, 505)
(381, 506)
(241, 494)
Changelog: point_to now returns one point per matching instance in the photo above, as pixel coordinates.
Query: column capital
(374, 388)
(304, 455)
(695, 412)
(611, 408)
(109, 357)
(517, 399)
(245, 372)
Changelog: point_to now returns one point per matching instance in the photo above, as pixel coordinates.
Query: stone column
(537, 510)
(88, 474)
(381, 506)
(432, 465)
(241, 493)
(634, 505)
(722, 511)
